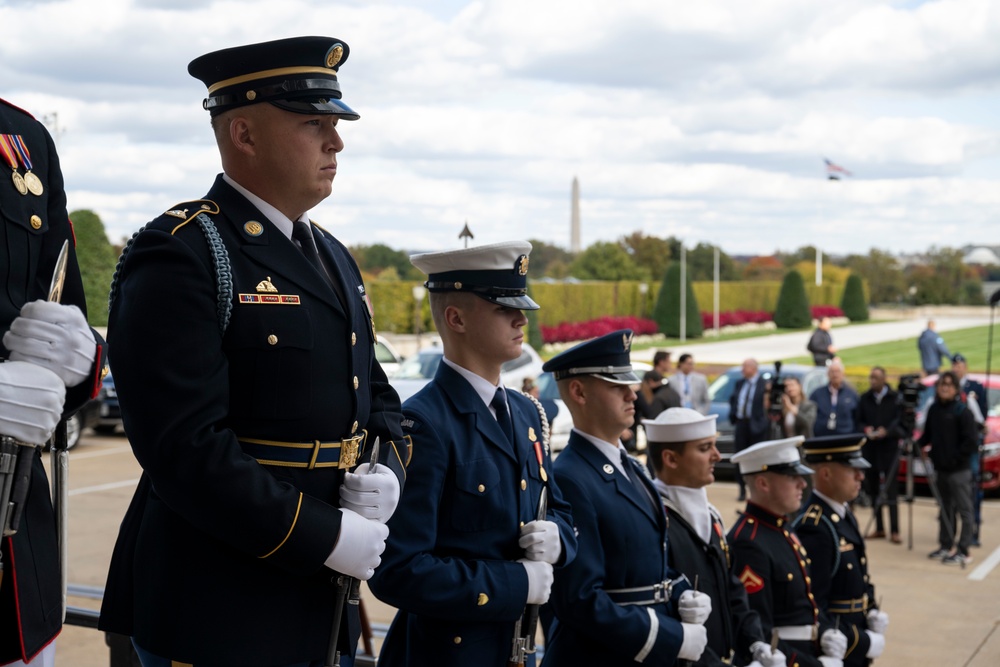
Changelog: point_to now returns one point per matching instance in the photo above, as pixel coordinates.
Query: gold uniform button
(483, 599)
(354, 428)
(781, 521)
(790, 576)
(36, 222)
(850, 566)
(524, 485)
(272, 340)
(835, 518)
(457, 640)
(354, 339)
(482, 488)
(862, 561)
(809, 580)
(356, 383)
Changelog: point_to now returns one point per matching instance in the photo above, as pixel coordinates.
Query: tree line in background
(941, 277)
(632, 270)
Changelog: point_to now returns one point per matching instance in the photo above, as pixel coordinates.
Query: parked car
(86, 417)
(561, 421)
(109, 414)
(418, 369)
(387, 357)
(991, 443)
(810, 377)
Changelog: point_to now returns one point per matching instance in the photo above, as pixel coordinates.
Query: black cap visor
(318, 105)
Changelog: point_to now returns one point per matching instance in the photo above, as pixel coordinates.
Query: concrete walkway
(779, 347)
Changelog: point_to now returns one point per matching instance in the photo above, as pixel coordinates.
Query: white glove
(31, 401)
(694, 642)
(694, 607)
(763, 656)
(539, 580)
(828, 661)
(876, 645)
(878, 621)
(540, 541)
(359, 546)
(834, 644)
(55, 337)
(374, 496)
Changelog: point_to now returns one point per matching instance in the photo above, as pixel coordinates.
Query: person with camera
(973, 393)
(789, 408)
(951, 431)
(878, 417)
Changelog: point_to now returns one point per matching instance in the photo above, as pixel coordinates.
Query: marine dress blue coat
(622, 544)
(450, 565)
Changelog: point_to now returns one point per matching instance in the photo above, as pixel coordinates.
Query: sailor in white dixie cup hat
(683, 453)
(762, 545)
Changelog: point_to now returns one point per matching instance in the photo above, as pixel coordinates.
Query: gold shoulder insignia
(204, 206)
(178, 213)
(814, 513)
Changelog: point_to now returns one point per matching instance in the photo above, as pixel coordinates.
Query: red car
(991, 444)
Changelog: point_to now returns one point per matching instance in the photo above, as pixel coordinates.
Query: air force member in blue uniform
(619, 602)
(244, 358)
(465, 553)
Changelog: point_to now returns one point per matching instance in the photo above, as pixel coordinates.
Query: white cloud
(708, 120)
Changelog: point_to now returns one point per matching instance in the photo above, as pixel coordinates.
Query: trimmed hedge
(792, 311)
(591, 300)
(853, 303)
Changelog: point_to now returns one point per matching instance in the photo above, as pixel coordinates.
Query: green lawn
(901, 356)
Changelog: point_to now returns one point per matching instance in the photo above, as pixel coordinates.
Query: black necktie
(303, 234)
(499, 404)
(633, 477)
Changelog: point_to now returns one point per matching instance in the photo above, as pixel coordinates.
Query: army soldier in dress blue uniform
(51, 365)
(619, 602)
(830, 534)
(466, 551)
(244, 357)
(771, 562)
(683, 454)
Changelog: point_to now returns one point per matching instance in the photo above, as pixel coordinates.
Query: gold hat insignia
(521, 265)
(334, 55)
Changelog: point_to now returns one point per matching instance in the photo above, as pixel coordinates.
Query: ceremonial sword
(348, 590)
(60, 447)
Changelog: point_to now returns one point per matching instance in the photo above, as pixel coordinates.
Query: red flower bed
(736, 317)
(567, 332)
(819, 312)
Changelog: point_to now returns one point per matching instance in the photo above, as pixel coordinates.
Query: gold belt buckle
(349, 450)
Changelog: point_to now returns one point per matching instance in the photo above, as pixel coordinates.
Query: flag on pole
(834, 171)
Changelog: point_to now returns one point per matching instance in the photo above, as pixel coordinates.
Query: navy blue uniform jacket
(622, 544)
(220, 558)
(839, 569)
(733, 626)
(450, 565)
(34, 229)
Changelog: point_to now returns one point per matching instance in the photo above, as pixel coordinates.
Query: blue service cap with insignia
(844, 449)
(497, 272)
(781, 456)
(297, 74)
(605, 357)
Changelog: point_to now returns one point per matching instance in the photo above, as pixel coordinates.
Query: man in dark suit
(682, 448)
(619, 602)
(831, 536)
(878, 417)
(746, 411)
(973, 393)
(244, 358)
(467, 550)
(52, 366)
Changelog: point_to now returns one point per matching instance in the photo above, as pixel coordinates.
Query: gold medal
(34, 184)
(19, 183)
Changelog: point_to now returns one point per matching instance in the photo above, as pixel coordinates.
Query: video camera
(776, 392)
(909, 401)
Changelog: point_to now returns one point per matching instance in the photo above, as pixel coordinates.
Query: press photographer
(879, 412)
(788, 408)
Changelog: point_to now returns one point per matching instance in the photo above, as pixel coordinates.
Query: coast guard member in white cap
(683, 455)
(771, 562)
(466, 552)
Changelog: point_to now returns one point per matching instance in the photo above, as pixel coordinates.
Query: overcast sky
(706, 120)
